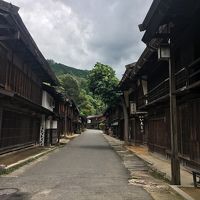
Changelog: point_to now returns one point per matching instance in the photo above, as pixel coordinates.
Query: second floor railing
(185, 78)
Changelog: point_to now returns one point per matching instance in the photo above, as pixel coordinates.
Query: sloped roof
(126, 75)
(155, 16)
(12, 29)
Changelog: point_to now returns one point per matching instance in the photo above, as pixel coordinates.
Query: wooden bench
(196, 174)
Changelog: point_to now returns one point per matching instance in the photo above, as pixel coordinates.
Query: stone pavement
(161, 166)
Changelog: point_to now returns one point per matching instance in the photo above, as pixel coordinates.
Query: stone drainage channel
(138, 169)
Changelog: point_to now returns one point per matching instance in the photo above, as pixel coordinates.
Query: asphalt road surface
(86, 168)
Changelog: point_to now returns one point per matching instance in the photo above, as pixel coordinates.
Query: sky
(79, 33)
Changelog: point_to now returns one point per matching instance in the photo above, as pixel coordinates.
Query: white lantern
(164, 52)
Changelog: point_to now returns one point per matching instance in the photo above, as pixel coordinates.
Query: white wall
(47, 101)
(48, 124)
(55, 124)
(51, 124)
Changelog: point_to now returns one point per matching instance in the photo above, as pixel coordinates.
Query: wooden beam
(6, 92)
(2, 38)
(5, 26)
(16, 36)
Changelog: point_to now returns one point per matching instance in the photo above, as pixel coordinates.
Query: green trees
(89, 104)
(77, 89)
(60, 69)
(69, 87)
(103, 83)
(91, 90)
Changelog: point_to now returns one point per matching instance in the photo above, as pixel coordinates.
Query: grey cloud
(80, 32)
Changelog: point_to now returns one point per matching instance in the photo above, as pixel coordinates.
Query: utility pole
(175, 164)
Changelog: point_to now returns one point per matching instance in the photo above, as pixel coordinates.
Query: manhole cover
(7, 191)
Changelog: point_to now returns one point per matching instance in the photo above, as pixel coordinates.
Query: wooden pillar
(175, 164)
(126, 120)
(1, 122)
(65, 123)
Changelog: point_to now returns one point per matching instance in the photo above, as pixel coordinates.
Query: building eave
(12, 18)
(154, 18)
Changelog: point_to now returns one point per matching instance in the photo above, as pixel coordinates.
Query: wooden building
(69, 120)
(132, 88)
(168, 21)
(83, 120)
(94, 121)
(114, 121)
(75, 118)
(31, 111)
(23, 69)
(53, 122)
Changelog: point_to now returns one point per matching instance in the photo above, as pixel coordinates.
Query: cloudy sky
(79, 33)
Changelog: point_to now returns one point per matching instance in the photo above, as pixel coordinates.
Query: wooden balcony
(186, 78)
(194, 73)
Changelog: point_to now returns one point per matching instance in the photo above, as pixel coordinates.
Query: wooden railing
(187, 77)
(159, 91)
(181, 78)
(142, 101)
(194, 72)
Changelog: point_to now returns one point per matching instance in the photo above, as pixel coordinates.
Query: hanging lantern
(164, 52)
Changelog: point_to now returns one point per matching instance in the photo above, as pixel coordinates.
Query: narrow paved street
(86, 168)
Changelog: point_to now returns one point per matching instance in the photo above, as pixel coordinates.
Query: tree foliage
(77, 84)
(60, 69)
(103, 83)
(77, 89)
(69, 87)
(90, 105)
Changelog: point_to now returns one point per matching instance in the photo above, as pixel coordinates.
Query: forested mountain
(60, 69)
(74, 84)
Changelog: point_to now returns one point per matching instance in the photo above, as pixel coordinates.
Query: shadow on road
(13, 194)
(97, 147)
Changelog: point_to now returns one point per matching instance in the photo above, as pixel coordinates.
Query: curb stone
(181, 192)
(9, 167)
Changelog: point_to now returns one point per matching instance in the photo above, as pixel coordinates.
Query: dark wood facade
(22, 72)
(94, 121)
(132, 89)
(70, 115)
(114, 121)
(150, 78)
